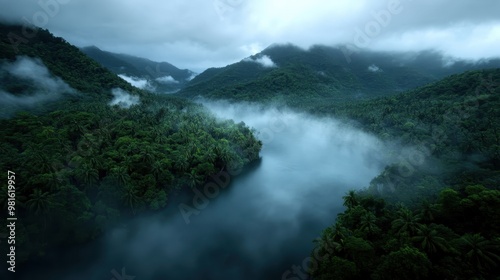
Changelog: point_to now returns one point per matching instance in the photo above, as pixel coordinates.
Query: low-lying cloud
(123, 99)
(166, 80)
(264, 60)
(193, 75)
(374, 68)
(264, 221)
(138, 82)
(38, 85)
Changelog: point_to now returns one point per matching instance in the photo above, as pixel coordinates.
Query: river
(260, 226)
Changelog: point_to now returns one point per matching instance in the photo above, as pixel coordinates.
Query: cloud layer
(257, 227)
(264, 60)
(123, 99)
(199, 34)
(138, 82)
(38, 85)
(166, 80)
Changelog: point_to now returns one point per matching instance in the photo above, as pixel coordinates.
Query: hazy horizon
(197, 35)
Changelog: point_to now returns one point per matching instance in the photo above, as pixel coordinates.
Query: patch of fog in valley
(260, 225)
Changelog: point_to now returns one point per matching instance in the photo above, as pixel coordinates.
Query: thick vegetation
(142, 68)
(302, 78)
(434, 213)
(81, 164)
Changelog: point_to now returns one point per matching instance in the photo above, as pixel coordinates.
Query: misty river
(260, 226)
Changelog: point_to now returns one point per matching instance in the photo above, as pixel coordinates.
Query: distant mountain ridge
(162, 76)
(325, 72)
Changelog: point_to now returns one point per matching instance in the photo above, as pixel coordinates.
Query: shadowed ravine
(259, 226)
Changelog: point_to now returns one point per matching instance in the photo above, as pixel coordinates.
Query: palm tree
(130, 196)
(157, 169)
(428, 212)
(479, 251)
(332, 239)
(368, 223)
(351, 199)
(158, 135)
(121, 174)
(339, 232)
(39, 161)
(428, 239)
(182, 161)
(406, 223)
(210, 155)
(147, 155)
(194, 179)
(40, 203)
(87, 174)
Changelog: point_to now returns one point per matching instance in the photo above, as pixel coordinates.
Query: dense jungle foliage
(81, 164)
(435, 212)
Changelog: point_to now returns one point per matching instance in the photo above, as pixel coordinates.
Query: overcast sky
(198, 34)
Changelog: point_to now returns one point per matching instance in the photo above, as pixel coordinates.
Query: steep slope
(162, 76)
(428, 214)
(62, 59)
(329, 73)
(100, 150)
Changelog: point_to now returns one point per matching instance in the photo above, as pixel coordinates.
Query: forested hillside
(297, 77)
(434, 213)
(101, 149)
(163, 76)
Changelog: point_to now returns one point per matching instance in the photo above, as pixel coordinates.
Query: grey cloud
(35, 71)
(123, 99)
(263, 222)
(264, 60)
(200, 34)
(41, 86)
(166, 80)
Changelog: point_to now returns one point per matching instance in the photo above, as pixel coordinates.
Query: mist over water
(260, 225)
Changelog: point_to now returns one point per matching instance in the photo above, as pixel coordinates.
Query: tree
(121, 174)
(480, 252)
(351, 199)
(368, 224)
(40, 202)
(407, 263)
(428, 239)
(87, 174)
(130, 197)
(428, 211)
(360, 251)
(194, 179)
(334, 267)
(406, 223)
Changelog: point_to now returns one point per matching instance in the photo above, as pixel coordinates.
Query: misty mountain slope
(111, 62)
(331, 73)
(163, 76)
(453, 126)
(61, 59)
(426, 212)
(101, 150)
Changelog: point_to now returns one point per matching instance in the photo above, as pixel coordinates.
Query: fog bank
(33, 82)
(260, 225)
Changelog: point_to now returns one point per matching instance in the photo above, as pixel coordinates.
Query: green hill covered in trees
(434, 213)
(298, 77)
(163, 76)
(102, 149)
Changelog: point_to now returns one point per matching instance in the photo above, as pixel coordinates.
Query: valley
(289, 164)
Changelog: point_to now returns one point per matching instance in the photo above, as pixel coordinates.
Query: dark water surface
(257, 227)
